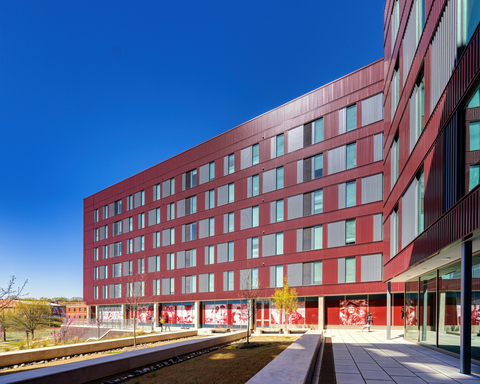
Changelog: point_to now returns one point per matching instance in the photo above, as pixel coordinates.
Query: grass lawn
(226, 365)
(20, 335)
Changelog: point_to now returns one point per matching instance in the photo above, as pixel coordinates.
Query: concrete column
(466, 302)
(321, 312)
(197, 315)
(389, 311)
(89, 312)
(155, 315)
(96, 312)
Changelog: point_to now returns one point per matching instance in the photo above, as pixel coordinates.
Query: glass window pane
(172, 285)
(474, 176)
(350, 270)
(318, 130)
(211, 170)
(231, 163)
(211, 198)
(172, 236)
(211, 282)
(194, 178)
(255, 154)
(211, 254)
(231, 219)
(255, 278)
(211, 230)
(317, 272)
(280, 142)
(230, 251)
(475, 100)
(279, 243)
(194, 204)
(231, 193)
(475, 136)
(318, 237)
(172, 186)
(230, 280)
(421, 195)
(318, 164)
(279, 276)
(255, 185)
(318, 201)
(351, 155)
(279, 210)
(351, 194)
(350, 231)
(254, 247)
(255, 216)
(351, 117)
(280, 178)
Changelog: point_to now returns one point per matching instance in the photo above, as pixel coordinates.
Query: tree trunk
(32, 334)
(4, 335)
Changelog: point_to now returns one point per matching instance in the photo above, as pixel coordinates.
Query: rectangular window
(351, 155)
(350, 194)
(231, 222)
(211, 254)
(130, 246)
(130, 224)
(211, 226)
(254, 247)
(141, 266)
(255, 154)
(421, 196)
(211, 282)
(129, 202)
(153, 264)
(279, 243)
(211, 171)
(141, 221)
(280, 145)
(95, 254)
(474, 176)
(156, 239)
(395, 161)
(191, 205)
(350, 231)
(211, 199)
(231, 163)
(172, 285)
(191, 231)
(231, 193)
(278, 276)
(395, 90)
(350, 270)
(142, 243)
(318, 237)
(105, 212)
(172, 186)
(318, 166)
(255, 185)
(317, 272)
(156, 287)
(191, 179)
(95, 293)
(143, 197)
(95, 273)
(95, 234)
(318, 201)
(474, 135)
(318, 131)
(170, 261)
(171, 211)
(230, 280)
(157, 192)
(95, 215)
(105, 252)
(231, 254)
(255, 216)
(172, 236)
(279, 213)
(157, 216)
(280, 177)
(254, 277)
(351, 118)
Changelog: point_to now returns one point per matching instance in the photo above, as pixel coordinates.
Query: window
(172, 236)
(254, 247)
(317, 273)
(210, 257)
(211, 199)
(277, 277)
(189, 284)
(170, 211)
(95, 292)
(255, 216)
(128, 268)
(211, 282)
(420, 202)
(231, 255)
(349, 269)
(170, 261)
(117, 249)
(312, 238)
(95, 273)
(130, 224)
(105, 212)
(395, 90)
(318, 166)
(156, 239)
(474, 176)
(318, 201)
(141, 266)
(318, 131)
(350, 231)
(231, 163)
(104, 291)
(211, 226)
(231, 193)
(129, 245)
(279, 211)
(190, 231)
(395, 22)
(255, 185)
(156, 192)
(95, 254)
(474, 136)
(141, 220)
(229, 282)
(188, 206)
(142, 243)
(142, 196)
(117, 207)
(95, 215)
(156, 287)
(279, 243)
(129, 202)
(395, 161)
(138, 288)
(279, 177)
(231, 222)
(117, 228)
(153, 264)
(157, 216)
(191, 179)
(255, 154)
(351, 155)
(95, 234)
(280, 145)
(350, 194)
(172, 186)
(117, 270)
(172, 286)
(211, 171)
(351, 117)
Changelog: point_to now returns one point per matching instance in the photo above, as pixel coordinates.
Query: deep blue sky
(92, 92)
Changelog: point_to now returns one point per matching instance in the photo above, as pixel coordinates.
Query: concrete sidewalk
(370, 358)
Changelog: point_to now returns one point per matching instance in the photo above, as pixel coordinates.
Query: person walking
(368, 322)
(162, 321)
(167, 324)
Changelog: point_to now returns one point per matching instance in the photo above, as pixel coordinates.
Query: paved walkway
(370, 358)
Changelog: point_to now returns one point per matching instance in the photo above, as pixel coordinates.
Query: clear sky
(92, 92)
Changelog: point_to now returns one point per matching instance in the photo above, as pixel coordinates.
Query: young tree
(5, 323)
(251, 291)
(10, 293)
(31, 314)
(285, 300)
(96, 320)
(135, 298)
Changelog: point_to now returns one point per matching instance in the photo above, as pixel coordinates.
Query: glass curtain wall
(411, 309)
(428, 308)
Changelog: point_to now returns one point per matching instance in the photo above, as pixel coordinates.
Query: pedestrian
(162, 320)
(368, 322)
(167, 324)
(151, 322)
(403, 313)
